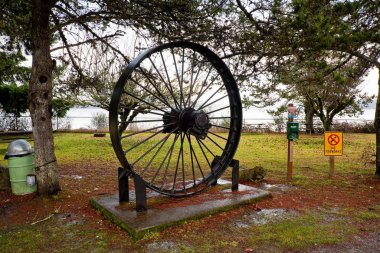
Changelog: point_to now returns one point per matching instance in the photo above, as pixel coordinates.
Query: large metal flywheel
(176, 117)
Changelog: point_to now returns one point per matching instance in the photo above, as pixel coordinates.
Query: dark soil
(80, 182)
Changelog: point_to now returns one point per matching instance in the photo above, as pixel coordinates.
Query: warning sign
(333, 143)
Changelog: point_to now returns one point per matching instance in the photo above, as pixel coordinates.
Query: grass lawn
(317, 213)
(267, 150)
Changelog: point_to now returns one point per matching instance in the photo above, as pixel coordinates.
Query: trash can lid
(19, 148)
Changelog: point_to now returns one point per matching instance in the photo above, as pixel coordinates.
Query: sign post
(292, 130)
(333, 147)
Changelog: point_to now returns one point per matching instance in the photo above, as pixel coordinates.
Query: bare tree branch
(88, 17)
(374, 60)
(67, 47)
(84, 42)
(98, 38)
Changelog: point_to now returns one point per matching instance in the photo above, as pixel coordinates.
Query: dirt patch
(79, 182)
(356, 192)
(165, 246)
(344, 196)
(264, 216)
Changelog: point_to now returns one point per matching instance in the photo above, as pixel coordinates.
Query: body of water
(80, 117)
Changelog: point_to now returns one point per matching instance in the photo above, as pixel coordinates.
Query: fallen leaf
(255, 207)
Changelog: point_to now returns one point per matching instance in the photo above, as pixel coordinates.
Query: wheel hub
(187, 120)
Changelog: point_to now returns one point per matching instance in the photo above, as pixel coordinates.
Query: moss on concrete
(138, 234)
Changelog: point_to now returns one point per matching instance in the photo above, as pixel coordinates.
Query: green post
(292, 130)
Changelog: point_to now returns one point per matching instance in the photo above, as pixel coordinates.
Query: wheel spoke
(176, 68)
(148, 112)
(221, 117)
(167, 165)
(191, 79)
(143, 131)
(181, 84)
(218, 109)
(195, 156)
(200, 108)
(183, 164)
(166, 71)
(206, 147)
(203, 91)
(211, 96)
(192, 160)
(204, 154)
(202, 86)
(215, 143)
(130, 94)
(164, 102)
(220, 126)
(167, 87)
(169, 153)
(154, 146)
(140, 121)
(152, 83)
(221, 137)
(157, 151)
(143, 141)
(177, 165)
(192, 82)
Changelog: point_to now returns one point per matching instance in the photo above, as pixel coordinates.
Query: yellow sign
(333, 143)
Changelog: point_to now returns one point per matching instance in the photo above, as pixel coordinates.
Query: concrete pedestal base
(164, 211)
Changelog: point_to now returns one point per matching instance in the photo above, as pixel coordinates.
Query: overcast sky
(370, 82)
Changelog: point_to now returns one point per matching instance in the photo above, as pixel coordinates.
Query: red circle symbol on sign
(333, 139)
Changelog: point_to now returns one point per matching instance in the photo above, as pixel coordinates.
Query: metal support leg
(235, 175)
(123, 185)
(213, 167)
(140, 192)
(215, 182)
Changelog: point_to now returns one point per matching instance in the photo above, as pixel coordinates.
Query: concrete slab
(164, 211)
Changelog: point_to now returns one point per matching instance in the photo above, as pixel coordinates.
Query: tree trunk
(377, 127)
(327, 124)
(40, 99)
(309, 118)
(124, 117)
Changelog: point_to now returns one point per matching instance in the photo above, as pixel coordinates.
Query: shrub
(99, 121)
(355, 127)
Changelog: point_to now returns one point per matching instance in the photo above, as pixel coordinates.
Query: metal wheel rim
(218, 166)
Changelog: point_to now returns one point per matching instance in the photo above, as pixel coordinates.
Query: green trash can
(20, 156)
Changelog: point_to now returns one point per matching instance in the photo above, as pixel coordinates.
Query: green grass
(37, 241)
(270, 151)
(267, 150)
(367, 215)
(53, 236)
(300, 233)
(294, 235)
